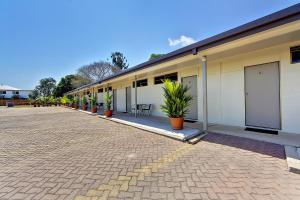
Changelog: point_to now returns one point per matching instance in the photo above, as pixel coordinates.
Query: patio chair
(146, 109)
(100, 105)
(138, 109)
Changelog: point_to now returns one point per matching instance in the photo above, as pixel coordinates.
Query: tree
(34, 94)
(79, 81)
(64, 85)
(46, 87)
(118, 60)
(154, 56)
(95, 71)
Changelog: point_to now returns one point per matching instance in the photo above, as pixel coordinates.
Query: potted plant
(176, 103)
(76, 102)
(84, 103)
(107, 102)
(93, 101)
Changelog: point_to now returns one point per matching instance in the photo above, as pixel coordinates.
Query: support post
(107, 93)
(204, 93)
(135, 97)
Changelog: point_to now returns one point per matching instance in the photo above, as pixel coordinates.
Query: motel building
(248, 76)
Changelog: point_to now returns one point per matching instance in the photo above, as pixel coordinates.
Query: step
(292, 158)
(196, 139)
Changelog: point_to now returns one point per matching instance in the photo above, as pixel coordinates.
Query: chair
(100, 105)
(146, 109)
(138, 109)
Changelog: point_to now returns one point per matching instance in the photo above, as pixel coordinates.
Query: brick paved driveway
(57, 153)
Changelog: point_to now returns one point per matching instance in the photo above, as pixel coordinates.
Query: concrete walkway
(282, 138)
(158, 125)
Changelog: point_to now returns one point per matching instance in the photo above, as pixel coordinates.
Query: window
(100, 90)
(140, 83)
(2, 92)
(15, 92)
(295, 54)
(172, 77)
(109, 89)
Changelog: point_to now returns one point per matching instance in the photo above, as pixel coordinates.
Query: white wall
(121, 100)
(22, 94)
(226, 100)
(151, 94)
(100, 97)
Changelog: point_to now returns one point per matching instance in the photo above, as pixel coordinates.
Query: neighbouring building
(248, 76)
(9, 92)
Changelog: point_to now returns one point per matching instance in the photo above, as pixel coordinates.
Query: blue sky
(52, 38)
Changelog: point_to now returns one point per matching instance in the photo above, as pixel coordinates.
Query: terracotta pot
(94, 110)
(108, 113)
(177, 123)
(84, 108)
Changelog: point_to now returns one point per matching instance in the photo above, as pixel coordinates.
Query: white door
(121, 100)
(262, 96)
(191, 83)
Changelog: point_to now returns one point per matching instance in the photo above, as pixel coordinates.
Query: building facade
(9, 92)
(246, 77)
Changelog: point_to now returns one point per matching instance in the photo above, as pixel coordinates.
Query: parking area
(59, 153)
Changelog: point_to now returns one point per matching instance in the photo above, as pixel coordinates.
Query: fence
(14, 102)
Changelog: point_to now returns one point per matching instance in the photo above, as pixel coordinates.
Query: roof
(281, 17)
(8, 88)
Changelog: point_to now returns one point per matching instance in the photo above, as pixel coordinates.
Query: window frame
(164, 77)
(138, 83)
(295, 49)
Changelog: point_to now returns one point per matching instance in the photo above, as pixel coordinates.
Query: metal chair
(138, 106)
(146, 109)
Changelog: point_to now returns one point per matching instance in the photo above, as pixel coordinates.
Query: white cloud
(182, 41)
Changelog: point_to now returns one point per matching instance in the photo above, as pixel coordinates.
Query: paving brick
(58, 153)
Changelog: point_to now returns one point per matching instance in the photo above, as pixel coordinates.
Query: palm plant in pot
(93, 101)
(176, 103)
(108, 101)
(84, 103)
(76, 102)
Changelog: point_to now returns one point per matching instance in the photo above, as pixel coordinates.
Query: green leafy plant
(83, 101)
(93, 101)
(38, 101)
(52, 100)
(64, 100)
(176, 99)
(108, 101)
(76, 101)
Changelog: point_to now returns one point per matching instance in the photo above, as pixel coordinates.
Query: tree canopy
(118, 60)
(95, 71)
(46, 87)
(64, 85)
(154, 56)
